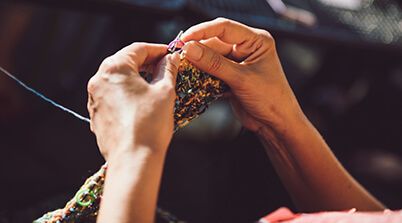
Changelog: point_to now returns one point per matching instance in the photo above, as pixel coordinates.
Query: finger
(166, 70)
(228, 31)
(236, 52)
(143, 54)
(245, 40)
(213, 63)
(218, 45)
(242, 51)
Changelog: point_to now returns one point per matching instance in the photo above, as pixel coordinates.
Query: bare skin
(266, 105)
(133, 121)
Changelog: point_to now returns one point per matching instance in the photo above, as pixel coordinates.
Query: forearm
(309, 170)
(131, 187)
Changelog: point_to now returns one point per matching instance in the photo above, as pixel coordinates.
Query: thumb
(212, 62)
(166, 70)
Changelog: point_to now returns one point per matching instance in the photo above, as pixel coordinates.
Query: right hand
(127, 113)
(262, 96)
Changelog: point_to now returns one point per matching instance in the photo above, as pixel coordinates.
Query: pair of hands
(127, 112)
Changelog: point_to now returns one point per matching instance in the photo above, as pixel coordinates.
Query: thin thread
(57, 105)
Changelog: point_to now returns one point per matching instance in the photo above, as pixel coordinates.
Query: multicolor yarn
(195, 90)
(85, 204)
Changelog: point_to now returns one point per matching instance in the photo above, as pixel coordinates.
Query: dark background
(346, 71)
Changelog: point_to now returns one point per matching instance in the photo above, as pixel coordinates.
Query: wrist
(134, 153)
(289, 123)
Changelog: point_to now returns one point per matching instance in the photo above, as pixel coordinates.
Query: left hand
(127, 113)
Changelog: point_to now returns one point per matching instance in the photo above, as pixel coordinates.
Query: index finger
(228, 31)
(143, 54)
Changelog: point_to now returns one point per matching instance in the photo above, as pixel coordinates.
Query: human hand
(127, 113)
(265, 103)
(246, 59)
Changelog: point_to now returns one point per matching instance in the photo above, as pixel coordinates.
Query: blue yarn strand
(55, 104)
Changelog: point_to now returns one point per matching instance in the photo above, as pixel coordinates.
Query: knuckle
(136, 48)
(133, 47)
(118, 63)
(108, 63)
(138, 45)
(92, 84)
(215, 62)
(222, 20)
(265, 36)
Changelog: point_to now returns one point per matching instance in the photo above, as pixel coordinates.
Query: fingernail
(192, 51)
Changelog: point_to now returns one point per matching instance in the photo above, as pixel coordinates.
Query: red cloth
(284, 215)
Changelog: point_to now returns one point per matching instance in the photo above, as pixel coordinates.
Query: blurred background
(343, 58)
